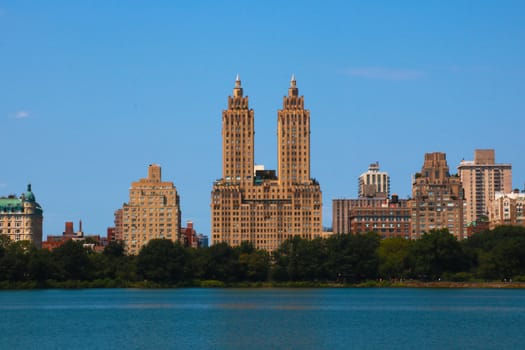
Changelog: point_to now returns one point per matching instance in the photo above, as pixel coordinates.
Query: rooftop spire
(237, 81)
(237, 90)
(293, 91)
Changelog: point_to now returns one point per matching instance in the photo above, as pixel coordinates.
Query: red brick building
(387, 217)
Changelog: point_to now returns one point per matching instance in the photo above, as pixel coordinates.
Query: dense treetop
(341, 259)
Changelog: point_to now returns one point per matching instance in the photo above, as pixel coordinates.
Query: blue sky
(92, 93)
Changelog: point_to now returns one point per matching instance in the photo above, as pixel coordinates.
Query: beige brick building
(257, 205)
(153, 211)
(481, 179)
(21, 218)
(437, 199)
(507, 209)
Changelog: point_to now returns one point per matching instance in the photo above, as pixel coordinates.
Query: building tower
(374, 183)
(237, 138)
(481, 179)
(253, 204)
(21, 218)
(153, 211)
(293, 139)
(437, 198)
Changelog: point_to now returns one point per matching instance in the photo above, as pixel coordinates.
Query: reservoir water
(263, 319)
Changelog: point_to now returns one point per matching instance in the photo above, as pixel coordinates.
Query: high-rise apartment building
(481, 179)
(21, 218)
(119, 228)
(437, 199)
(374, 183)
(153, 211)
(256, 205)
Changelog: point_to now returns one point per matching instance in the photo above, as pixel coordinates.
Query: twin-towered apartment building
(265, 207)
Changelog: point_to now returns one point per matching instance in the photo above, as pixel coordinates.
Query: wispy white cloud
(385, 73)
(3, 185)
(22, 114)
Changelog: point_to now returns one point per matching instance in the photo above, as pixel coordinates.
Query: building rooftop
(13, 204)
(10, 204)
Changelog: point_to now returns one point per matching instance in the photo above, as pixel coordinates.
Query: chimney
(395, 199)
(69, 228)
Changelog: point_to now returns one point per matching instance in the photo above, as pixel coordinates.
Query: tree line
(493, 255)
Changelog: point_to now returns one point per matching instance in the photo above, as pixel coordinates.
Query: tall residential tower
(481, 179)
(153, 211)
(437, 198)
(237, 138)
(255, 205)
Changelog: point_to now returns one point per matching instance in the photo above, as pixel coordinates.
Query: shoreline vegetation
(112, 284)
(489, 259)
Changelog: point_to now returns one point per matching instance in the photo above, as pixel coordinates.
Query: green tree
(257, 265)
(101, 267)
(42, 266)
(14, 265)
(112, 262)
(126, 268)
(4, 243)
(437, 252)
(393, 254)
(72, 261)
(254, 264)
(284, 262)
(114, 249)
(499, 252)
(161, 261)
(219, 262)
(508, 258)
(353, 258)
(296, 260)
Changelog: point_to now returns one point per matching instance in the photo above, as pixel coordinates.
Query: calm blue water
(263, 319)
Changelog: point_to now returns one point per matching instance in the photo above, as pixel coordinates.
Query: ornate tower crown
(237, 90)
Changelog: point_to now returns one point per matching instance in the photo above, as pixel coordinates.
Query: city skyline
(95, 93)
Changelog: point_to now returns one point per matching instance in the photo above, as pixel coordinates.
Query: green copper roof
(10, 204)
(29, 196)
